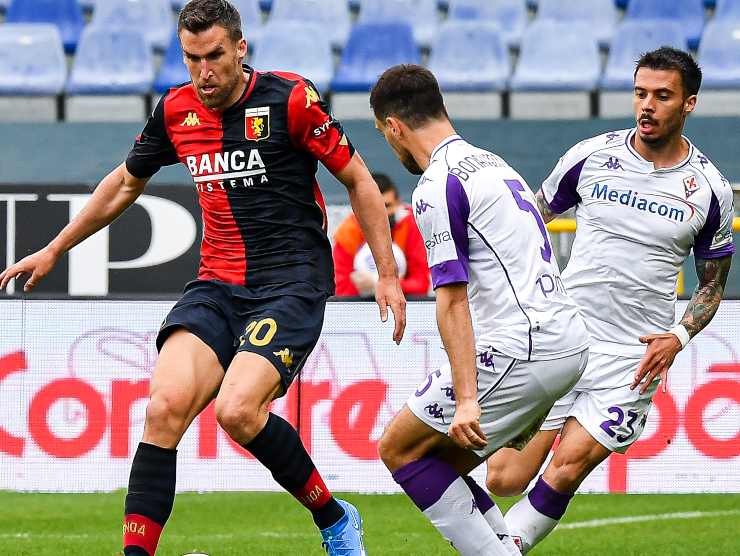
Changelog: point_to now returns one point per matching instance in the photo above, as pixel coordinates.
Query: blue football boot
(344, 538)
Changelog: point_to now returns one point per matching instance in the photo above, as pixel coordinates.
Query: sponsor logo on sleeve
(257, 123)
(438, 239)
(422, 206)
(690, 185)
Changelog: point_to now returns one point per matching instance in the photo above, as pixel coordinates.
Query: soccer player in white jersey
(644, 198)
(489, 250)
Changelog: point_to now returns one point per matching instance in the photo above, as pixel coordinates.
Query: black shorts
(281, 323)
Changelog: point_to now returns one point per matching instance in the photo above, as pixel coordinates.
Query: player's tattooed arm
(712, 274)
(544, 207)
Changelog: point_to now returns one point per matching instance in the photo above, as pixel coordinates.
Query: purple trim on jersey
(451, 139)
(547, 500)
(567, 195)
(703, 242)
(482, 500)
(458, 211)
(448, 272)
(425, 480)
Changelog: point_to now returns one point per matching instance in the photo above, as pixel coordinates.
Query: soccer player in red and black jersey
(243, 329)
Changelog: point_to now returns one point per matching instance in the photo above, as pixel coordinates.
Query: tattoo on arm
(543, 207)
(712, 274)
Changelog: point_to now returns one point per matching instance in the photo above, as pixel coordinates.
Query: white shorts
(514, 396)
(604, 404)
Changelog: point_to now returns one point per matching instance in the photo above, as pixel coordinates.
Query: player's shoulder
(609, 141)
(706, 171)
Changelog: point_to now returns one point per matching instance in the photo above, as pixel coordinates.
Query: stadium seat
(557, 56)
(31, 59)
(112, 61)
(303, 49)
(65, 14)
(510, 15)
(152, 17)
(719, 55)
(601, 15)
(420, 14)
(332, 16)
(727, 9)
(172, 72)
(689, 13)
(457, 42)
(633, 38)
(371, 49)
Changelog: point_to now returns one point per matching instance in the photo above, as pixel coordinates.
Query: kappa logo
(612, 164)
(285, 356)
(257, 123)
(422, 206)
(311, 96)
(191, 120)
(690, 185)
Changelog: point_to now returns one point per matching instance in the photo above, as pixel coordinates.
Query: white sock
(536, 514)
(456, 516)
(495, 520)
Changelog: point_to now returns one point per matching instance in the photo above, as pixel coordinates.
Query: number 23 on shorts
(259, 332)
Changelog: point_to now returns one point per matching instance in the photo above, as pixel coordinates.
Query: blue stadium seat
(304, 49)
(557, 56)
(509, 15)
(172, 72)
(689, 13)
(4, 4)
(332, 16)
(600, 14)
(719, 55)
(371, 49)
(727, 9)
(458, 42)
(112, 61)
(31, 59)
(152, 17)
(420, 14)
(632, 39)
(65, 14)
(621, 4)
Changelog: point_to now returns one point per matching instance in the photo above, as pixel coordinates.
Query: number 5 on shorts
(259, 332)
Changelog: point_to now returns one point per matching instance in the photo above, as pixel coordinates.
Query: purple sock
(425, 480)
(482, 500)
(547, 500)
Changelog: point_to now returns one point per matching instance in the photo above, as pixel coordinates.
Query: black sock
(279, 448)
(151, 495)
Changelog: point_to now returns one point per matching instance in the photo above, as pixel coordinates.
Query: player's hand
(38, 265)
(659, 355)
(465, 429)
(363, 281)
(388, 293)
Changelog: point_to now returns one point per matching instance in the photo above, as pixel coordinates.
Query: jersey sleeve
(152, 148)
(560, 188)
(714, 240)
(441, 211)
(313, 128)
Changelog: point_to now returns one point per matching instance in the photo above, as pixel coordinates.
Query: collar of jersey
(446, 141)
(649, 165)
(252, 77)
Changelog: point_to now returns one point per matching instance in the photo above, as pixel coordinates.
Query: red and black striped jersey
(254, 168)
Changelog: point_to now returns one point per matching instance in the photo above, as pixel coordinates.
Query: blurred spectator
(354, 267)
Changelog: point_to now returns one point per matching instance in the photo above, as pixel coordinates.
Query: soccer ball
(364, 260)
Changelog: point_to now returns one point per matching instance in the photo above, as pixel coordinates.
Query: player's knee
(502, 484)
(241, 421)
(166, 418)
(389, 453)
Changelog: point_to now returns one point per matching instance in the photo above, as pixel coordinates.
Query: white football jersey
(481, 226)
(636, 226)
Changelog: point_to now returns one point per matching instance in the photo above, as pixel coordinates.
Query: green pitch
(239, 524)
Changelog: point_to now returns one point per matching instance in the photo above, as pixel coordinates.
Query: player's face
(392, 132)
(214, 62)
(660, 106)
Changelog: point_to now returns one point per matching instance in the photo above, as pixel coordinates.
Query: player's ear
(241, 48)
(689, 104)
(394, 126)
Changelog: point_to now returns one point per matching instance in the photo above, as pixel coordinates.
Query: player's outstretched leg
(533, 517)
(436, 487)
(251, 383)
(185, 379)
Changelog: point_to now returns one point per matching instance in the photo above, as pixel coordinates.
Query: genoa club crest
(257, 123)
(690, 185)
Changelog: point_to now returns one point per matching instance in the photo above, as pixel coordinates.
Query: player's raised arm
(367, 204)
(117, 191)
